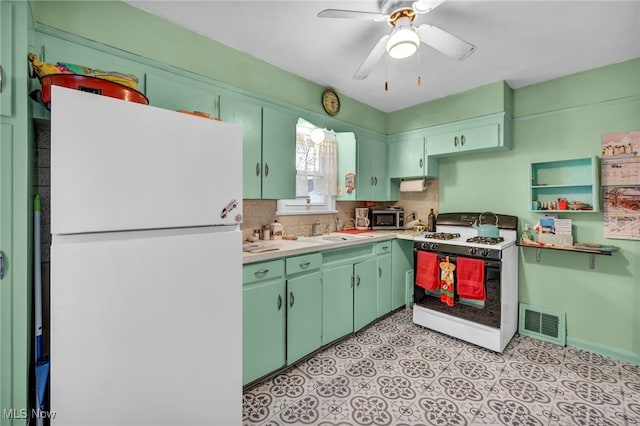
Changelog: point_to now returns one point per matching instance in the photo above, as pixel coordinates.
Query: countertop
(274, 249)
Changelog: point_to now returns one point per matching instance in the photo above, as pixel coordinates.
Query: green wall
(562, 118)
(146, 35)
(558, 119)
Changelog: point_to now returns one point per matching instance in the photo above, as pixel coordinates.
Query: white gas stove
(492, 321)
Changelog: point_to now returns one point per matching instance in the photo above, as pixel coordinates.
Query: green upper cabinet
(6, 52)
(478, 134)
(173, 92)
(268, 147)
(247, 115)
(408, 157)
(278, 153)
(373, 182)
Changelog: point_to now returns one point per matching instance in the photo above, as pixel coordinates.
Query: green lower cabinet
(304, 315)
(384, 283)
(401, 263)
(365, 305)
(337, 302)
(263, 320)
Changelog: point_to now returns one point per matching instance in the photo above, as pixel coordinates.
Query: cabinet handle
(358, 281)
(0, 91)
(305, 265)
(455, 141)
(371, 180)
(375, 180)
(385, 248)
(261, 272)
(266, 169)
(257, 169)
(461, 140)
(291, 299)
(421, 163)
(279, 302)
(379, 272)
(1, 265)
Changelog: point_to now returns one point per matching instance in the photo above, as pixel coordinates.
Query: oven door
(485, 312)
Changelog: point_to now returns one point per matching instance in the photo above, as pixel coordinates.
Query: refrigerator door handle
(230, 206)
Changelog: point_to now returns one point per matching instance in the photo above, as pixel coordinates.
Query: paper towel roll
(417, 185)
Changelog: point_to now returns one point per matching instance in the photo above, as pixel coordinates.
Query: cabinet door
(346, 164)
(381, 178)
(337, 303)
(401, 263)
(384, 284)
(443, 143)
(248, 116)
(263, 329)
(406, 158)
(6, 60)
(481, 137)
(278, 154)
(172, 92)
(365, 174)
(6, 319)
(304, 315)
(366, 293)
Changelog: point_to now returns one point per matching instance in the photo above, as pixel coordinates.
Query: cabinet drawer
(383, 247)
(262, 271)
(305, 263)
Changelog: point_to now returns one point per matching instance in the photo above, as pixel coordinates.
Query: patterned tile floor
(397, 373)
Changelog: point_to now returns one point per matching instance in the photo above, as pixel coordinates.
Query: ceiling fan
(404, 39)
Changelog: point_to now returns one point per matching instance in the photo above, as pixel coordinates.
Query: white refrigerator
(146, 269)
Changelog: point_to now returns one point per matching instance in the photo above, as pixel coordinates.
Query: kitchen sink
(334, 238)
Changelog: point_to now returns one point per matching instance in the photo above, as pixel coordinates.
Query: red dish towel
(428, 271)
(471, 278)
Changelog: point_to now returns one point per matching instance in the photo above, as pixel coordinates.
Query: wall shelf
(575, 180)
(595, 249)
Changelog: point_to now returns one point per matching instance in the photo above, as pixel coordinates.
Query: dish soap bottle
(431, 221)
(526, 234)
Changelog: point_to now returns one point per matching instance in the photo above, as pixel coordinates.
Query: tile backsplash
(261, 212)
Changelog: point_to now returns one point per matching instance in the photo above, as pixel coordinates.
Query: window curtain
(316, 166)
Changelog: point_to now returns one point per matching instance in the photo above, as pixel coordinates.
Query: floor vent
(542, 323)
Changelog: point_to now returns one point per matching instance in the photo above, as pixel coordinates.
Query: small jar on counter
(266, 232)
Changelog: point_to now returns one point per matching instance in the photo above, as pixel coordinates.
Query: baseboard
(609, 351)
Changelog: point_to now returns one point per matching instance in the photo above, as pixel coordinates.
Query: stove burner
(486, 240)
(441, 235)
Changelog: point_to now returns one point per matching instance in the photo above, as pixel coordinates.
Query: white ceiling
(521, 42)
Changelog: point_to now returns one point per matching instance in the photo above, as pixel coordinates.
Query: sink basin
(336, 238)
(332, 238)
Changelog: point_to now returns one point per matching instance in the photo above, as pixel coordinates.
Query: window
(316, 172)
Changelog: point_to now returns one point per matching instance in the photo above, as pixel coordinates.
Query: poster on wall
(620, 178)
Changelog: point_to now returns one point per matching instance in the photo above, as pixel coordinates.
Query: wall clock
(330, 101)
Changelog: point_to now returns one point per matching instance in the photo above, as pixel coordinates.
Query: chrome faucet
(326, 230)
(314, 228)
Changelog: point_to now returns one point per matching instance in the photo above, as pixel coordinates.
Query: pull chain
(386, 74)
(419, 76)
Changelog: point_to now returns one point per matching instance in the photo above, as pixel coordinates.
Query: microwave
(387, 219)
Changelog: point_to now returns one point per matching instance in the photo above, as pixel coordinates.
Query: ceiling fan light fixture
(403, 43)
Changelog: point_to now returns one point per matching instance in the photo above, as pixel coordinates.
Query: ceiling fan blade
(376, 53)
(352, 14)
(445, 42)
(426, 6)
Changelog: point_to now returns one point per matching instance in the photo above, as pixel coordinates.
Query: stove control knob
(424, 246)
(433, 246)
(484, 253)
(473, 251)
